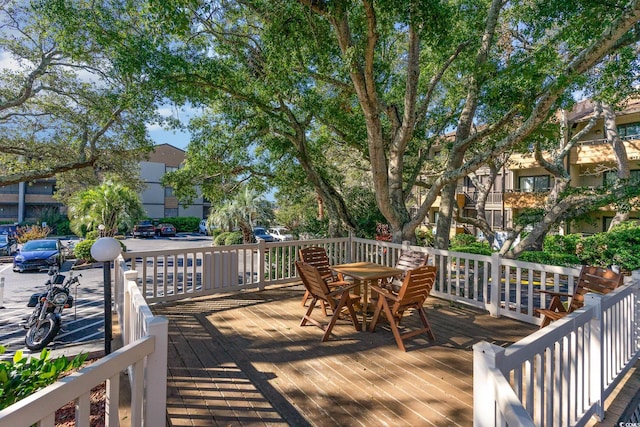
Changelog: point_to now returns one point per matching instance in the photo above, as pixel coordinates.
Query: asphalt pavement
(82, 325)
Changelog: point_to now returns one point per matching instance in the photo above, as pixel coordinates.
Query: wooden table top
(366, 270)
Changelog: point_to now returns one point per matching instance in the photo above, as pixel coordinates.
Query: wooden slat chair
(414, 291)
(591, 279)
(408, 260)
(337, 298)
(317, 257)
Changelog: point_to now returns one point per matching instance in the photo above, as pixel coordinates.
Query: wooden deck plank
(243, 359)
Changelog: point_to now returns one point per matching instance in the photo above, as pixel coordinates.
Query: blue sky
(177, 138)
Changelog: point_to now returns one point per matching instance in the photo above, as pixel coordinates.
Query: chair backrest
(316, 256)
(594, 279)
(416, 286)
(313, 281)
(410, 260)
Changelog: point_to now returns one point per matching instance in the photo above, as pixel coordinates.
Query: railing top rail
(37, 407)
(520, 351)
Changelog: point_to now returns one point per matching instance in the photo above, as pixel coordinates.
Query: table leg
(365, 304)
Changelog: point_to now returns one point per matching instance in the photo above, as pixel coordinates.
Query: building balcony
(516, 199)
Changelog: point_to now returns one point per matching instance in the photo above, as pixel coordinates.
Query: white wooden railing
(562, 374)
(532, 382)
(143, 355)
(166, 275)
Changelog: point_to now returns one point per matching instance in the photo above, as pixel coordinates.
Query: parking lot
(82, 324)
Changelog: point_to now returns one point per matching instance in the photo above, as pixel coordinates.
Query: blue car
(261, 234)
(39, 255)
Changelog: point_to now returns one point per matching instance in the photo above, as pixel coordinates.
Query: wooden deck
(243, 359)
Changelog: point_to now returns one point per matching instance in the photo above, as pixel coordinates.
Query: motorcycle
(44, 323)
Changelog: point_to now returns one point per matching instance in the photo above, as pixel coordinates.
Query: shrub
(620, 246)
(187, 224)
(220, 238)
(82, 250)
(233, 238)
(556, 243)
(33, 232)
(549, 258)
(424, 237)
(463, 240)
(93, 234)
(22, 376)
(478, 249)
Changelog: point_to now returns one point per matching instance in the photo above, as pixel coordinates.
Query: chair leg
(376, 314)
(393, 325)
(425, 322)
(307, 316)
(344, 302)
(305, 297)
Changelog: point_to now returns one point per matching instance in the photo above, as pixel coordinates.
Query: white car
(280, 233)
(204, 229)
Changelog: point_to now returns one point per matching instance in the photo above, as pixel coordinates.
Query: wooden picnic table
(364, 273)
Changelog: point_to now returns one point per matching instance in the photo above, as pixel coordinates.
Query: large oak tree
(64, 107)
(390, 80)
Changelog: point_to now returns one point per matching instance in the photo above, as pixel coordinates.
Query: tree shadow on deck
(250, 360)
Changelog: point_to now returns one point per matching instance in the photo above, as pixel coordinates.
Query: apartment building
(523, 183)
(24, 202)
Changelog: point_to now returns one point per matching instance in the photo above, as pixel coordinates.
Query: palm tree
(112, 204)
(243, 211)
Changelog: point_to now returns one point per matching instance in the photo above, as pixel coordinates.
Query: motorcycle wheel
(37, 338)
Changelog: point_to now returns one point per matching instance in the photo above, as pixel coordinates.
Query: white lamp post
(106, 249)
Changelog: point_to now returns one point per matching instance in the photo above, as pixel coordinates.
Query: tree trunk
(624, 173)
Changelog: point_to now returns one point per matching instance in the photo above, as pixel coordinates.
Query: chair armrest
(384, 292)
(341, 287)
(555, 294)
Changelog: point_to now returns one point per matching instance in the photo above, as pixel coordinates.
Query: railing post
(635, 283)
(118, 283)
(493, 306)
(352, 247)
(596, 358)
(485, 357)
(125, 321)
(156, 374)
(262, 255)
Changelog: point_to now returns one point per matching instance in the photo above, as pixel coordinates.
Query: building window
(170, 213)
(629, 130)
(609, 177)
(531, 184)
(168, 191)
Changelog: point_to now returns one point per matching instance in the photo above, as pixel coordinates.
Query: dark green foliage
(58, 223)
(188, 224)
(82, 250)
(233, 238)
(364, 211)
(468, 243)
(22, 376)
(479, 248)
(92, 235)
(463, 240)
(550, 258)
(228, 238)
(556, 243)
(424, 237)
(620, 246)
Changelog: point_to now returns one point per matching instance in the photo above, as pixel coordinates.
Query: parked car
(9, 229)
(261, 234)
(144, 229)
(165, 230)
(205, 229)
(8, 245)
(280, 233)
(39, 255)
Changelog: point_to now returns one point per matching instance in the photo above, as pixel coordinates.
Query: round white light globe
(105, 249)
